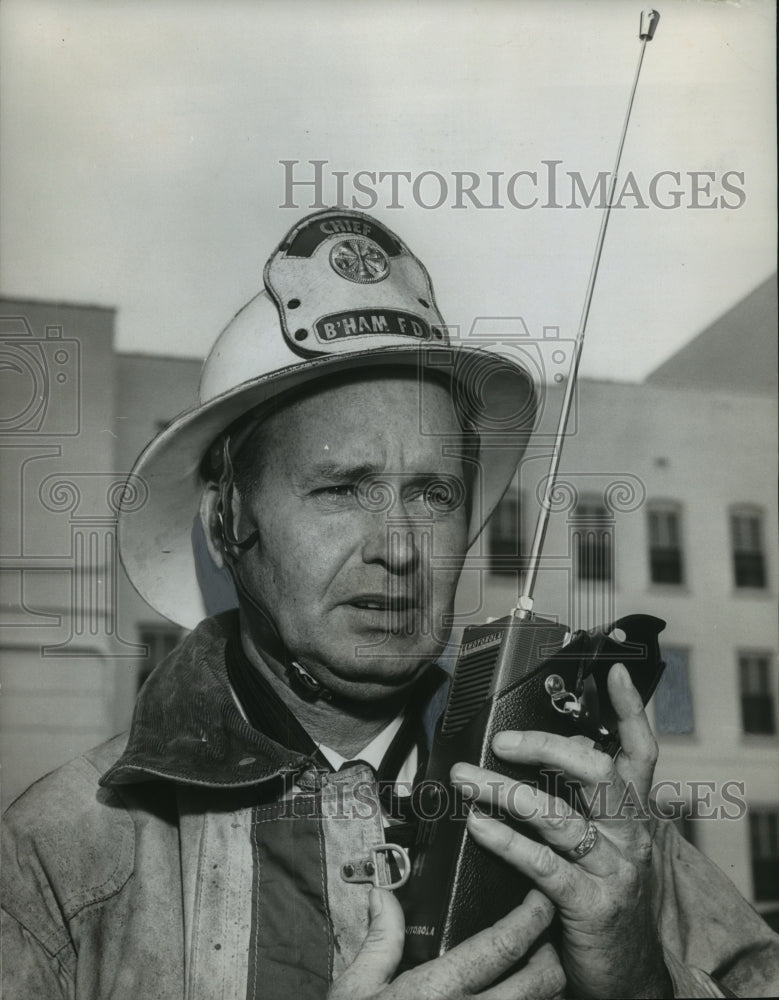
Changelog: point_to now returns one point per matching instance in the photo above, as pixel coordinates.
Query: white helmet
(342, 293)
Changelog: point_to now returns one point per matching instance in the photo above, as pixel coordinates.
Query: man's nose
(396, 540)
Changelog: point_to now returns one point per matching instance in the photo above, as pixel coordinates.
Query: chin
(375, 678)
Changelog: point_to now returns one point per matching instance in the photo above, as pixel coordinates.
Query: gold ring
(585, 845)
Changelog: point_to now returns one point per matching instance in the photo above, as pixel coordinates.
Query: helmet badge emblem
(359, 260)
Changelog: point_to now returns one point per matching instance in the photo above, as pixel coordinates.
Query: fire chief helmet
(342, 295)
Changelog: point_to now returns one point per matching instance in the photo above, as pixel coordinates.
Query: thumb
(377, 960)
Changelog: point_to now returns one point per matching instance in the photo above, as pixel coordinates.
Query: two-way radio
(519, 672)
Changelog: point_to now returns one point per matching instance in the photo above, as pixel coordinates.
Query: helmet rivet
(293, 303)
(301, 334)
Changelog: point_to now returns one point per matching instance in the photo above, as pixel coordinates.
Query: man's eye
(442, 496)
(341, 491)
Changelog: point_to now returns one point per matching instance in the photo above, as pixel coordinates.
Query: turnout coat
(198, 858)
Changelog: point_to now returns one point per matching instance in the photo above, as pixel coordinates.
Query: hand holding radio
(469, 970)
(595, 865)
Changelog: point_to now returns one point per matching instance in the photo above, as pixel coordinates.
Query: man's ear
(211, 527)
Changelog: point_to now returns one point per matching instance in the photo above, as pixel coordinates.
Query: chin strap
(224, 509)
(300, 679)
(307, 687)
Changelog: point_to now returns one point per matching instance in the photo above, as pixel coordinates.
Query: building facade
(74, 636)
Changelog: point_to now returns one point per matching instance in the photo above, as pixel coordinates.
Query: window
(505, 537)
(672, 698)
(665, 551)
(764, 842)
(593, 535)
(746, 536)
(757, 695)
(160, 640)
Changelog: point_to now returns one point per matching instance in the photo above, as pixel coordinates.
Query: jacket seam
(326, 902)
(96, 889)
(256, 917)
(126, 853)
(185, 778)
(53, 955)
(101, 899)
(226, 902)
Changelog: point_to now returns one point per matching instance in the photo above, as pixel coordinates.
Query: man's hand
(469, 970)
(610, 946)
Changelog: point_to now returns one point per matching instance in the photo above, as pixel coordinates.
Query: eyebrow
(336, 472)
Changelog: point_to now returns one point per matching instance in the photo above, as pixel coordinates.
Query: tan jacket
(195, 869)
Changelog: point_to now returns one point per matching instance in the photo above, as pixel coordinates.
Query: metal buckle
(367, 869)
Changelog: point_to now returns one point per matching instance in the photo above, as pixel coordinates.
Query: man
(343, 456)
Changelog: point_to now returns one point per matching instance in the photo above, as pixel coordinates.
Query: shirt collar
(373, 752)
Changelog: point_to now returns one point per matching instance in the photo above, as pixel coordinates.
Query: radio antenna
(524, 606)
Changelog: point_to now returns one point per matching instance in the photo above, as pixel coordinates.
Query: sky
(142, 148)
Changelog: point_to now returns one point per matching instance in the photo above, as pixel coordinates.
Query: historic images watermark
(549, 184)
(63, 527)
(545, 799)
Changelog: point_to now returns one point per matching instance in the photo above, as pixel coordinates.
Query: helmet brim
(494, 395)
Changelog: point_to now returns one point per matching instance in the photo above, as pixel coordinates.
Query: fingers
(577, 758)
(639, 746)
(592, 773)
(561, 826)
(542, 978)
(477, 962)
(377, 960)
(578, 761)
(610, 790)
(563, 882)
(465, 970)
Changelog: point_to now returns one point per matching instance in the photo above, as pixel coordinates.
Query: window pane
(665, 565)
(665, 554)
(757, 697)
(746, 533)
(749, 569)
(664, 529)
(592, 535)
(593, 553)
(160, 641)
(754, 671)
(746, 530)
(504, 536)
(764, 842)
(673, 700)
(591, 511)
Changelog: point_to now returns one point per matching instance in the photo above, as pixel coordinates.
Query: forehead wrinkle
(362, 429)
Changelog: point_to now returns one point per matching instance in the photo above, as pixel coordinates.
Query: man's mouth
(381, 602)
